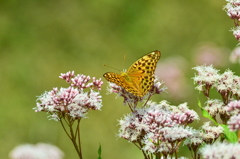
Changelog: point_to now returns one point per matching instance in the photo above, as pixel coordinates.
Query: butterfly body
(139, 78)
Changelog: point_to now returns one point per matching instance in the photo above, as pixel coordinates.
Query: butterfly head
(125, 75)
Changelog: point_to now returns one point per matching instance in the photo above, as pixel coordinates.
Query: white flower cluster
(159, 127)
(207, 134)
(227, 84)
(210, 133)
(234, 121)
(195, 140)
(233, 11)
(74, 101)
(38, 151)
(221, 150)
(207, 76)
(215, 106)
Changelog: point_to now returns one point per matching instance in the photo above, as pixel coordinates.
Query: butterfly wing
(142, 71)
(121, 81)
(139, 78)
(114, 78)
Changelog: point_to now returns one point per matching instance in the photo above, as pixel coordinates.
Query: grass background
(41, 39)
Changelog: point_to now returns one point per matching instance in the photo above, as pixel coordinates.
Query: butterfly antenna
(112, 68)
(124, 59)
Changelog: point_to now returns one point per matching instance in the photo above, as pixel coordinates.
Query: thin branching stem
(144, 153)
(65, 129)
(74, 137)
(76, 146)
(79, 137)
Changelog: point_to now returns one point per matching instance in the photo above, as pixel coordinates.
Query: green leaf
(99, 152)
(231, 136)
(199, 103)
(206, 114)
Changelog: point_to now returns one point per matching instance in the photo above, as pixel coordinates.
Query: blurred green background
(41, 39)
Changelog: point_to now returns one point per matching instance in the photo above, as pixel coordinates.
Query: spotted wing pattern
(139, 78)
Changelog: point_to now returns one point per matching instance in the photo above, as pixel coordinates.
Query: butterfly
(139, 78)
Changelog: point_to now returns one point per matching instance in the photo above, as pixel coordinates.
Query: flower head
(194, 141)
(159, 127)
(206, 77)
(38, 151)
(234, 105)
(233, 9)
(210, 133)
(234, 121)
(221, 150)
(215, 106)
(227, 84)
(225, 81)
(67, 76)
(236, 32)
(74, 100)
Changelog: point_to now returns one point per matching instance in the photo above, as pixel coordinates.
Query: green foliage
(229, 135)
(99, 152)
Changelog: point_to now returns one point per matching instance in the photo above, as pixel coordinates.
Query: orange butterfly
(139, 77)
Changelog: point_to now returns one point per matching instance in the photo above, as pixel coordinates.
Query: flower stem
(74, 137)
